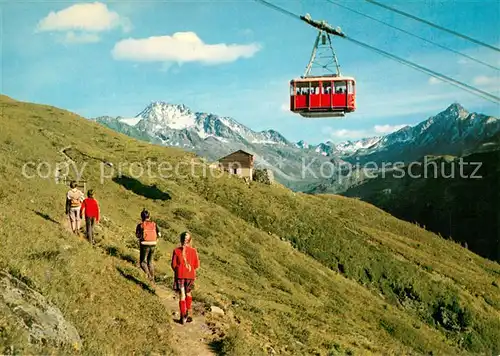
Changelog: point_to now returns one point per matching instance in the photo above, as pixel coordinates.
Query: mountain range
(453, 131)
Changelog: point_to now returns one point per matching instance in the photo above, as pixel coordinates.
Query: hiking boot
(183, 320)
(189, 319)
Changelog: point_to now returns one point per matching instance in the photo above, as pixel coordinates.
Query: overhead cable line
(327, 28)
(414, 35)
(434, 25)
(461, 85)
(277, 8)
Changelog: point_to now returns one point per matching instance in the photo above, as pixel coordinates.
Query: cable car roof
(321, 78)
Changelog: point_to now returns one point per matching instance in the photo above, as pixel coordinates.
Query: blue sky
(109, 58)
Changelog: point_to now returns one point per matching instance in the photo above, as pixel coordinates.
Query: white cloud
(486, 80)
(434, 81)
(91, 17)
(348, 134)
(81, 23)
(180, 47)
(72, 37)
(387, 129)
(247, 32)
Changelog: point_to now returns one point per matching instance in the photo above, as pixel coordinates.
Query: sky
(236, 58)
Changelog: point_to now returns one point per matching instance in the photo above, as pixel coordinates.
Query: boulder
(43, 321)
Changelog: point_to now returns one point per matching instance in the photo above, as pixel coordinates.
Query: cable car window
(315, 88)
(327, 89)
(302, 88)
(340, 87)
(350, 87)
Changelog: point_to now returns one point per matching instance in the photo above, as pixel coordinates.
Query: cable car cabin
(321, 97)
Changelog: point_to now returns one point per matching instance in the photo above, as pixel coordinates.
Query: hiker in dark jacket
(147, 233)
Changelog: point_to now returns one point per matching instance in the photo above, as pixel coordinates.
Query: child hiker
(147, 232)
(74, 199)
(184, 263)
(91, 209)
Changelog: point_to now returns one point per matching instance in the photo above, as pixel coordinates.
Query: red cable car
(325, 95)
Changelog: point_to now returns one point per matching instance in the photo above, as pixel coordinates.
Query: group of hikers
(184, 261)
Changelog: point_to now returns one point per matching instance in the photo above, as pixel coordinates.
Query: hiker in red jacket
(184, 263)
(91, 209)
(147, 233)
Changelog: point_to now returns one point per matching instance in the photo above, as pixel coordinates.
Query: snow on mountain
(164, 120)
(324, 149)
(130, 121)
(452, 131)
(448, 130)
(270, 137)
(159, 115)
(350, 147)
(176, 124)
(302, 144)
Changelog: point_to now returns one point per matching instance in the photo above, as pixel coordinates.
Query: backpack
(75, 201)
(148, 231)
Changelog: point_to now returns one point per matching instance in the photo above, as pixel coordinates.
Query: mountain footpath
(188, 339)
(293, 274)
(198, 337)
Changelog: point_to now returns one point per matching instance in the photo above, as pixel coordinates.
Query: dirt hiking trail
(191, 338)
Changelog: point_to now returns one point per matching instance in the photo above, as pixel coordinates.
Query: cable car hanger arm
(322, 25)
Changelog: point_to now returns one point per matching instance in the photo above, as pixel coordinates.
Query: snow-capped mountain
(213, 137)
(350, 147)
(177, 125)
(453, 131)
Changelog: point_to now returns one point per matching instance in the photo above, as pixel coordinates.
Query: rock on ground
(44, 322)
(216, 310)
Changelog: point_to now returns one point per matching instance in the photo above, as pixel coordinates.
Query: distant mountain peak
(160, 115)
(162, 108)
(456, 110)
(167, 104)
(455, 106)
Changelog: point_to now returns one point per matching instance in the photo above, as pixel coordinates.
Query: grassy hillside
(461, 203)
(302, 274)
